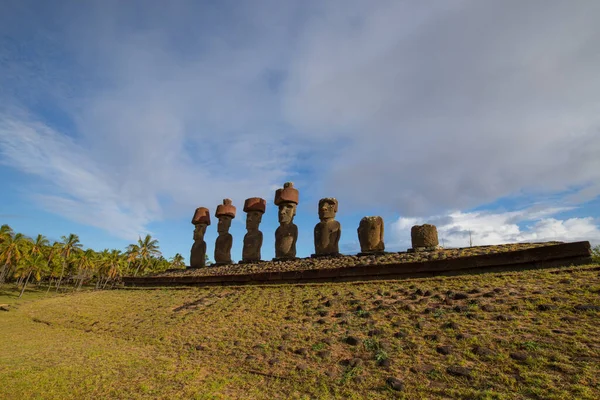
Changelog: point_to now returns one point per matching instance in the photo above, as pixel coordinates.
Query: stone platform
(508, 257)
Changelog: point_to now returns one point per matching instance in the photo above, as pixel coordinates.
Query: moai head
(199, 231)
(200, 220)
(254, 208)
(327, 208)
(225, 213)
(370, 234)
(287, 200)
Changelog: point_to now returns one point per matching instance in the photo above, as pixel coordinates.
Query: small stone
(482, 351)
(324, 354)
(462, 336)
(445, 350)
(457, 370)
(431, 337)
(504, 317)
(385, 363)
(546, 307)
(340, 315)
(423, 368)
(352, 340)
(450, 325)
(282, 347)
(519, 355)
(322, 313)
(273, 361)
(375, 332)
(200, 347)
(395, 383)
(460, 309)
(460, 296)
(250, 357)
(301, 351)
(321, 321)
(488, 308)
(400, 334)
(489, 294)
(409, 307)
(301, 367)
(585, 359)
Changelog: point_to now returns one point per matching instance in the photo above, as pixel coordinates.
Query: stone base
(325, 255)
(373, 253)
(285, 258)
(250, 261)
(421, 249)
(221, 263)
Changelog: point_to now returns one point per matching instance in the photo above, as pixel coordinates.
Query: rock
(462, 336)
(445, 350)
(504, 317)
(457, 370)
(200, 347)
(302, 367)
(321, 321)
(340, 315)
(409, 307)
(395, 383)
(322, 313)
(286, 336)
(423, 368)
(301, 351)
(282, 347)
(488, 308)
(250, 357)
(585, 359)
(352, 362)
(460, 296)
(385, 363)
(482, 351)
(352, 340)
(489, 294)
(274, 361)
(519, 355)
(450, 325)
(474, 291)
(400, 334)
(431, 337)
(324, 354)
(546, 307)
(460, 309)
(4, 307)
(375, 332)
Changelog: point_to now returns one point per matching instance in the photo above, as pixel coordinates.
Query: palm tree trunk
(50, 281)
(3, 273)
(25, 285)
(62, 272)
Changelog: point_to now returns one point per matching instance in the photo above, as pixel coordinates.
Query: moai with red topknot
(254, 208)
(286, 235)
(328, 231)
(200, 220)
(225, 213)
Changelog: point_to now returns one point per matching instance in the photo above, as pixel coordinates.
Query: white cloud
(417, 108)
(488, 228)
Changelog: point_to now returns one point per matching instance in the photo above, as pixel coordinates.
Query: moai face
(199, 231)
(253, 219)
(224, 224)
(287, 211)
(370, 234)
(327, 210)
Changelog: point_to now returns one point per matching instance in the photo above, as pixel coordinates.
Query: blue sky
(120, 118)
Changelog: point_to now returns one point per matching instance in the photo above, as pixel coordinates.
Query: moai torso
(370, 234)
(285, 240)
(327, 237)
(198, 254)
(252, 244)
(223, 248)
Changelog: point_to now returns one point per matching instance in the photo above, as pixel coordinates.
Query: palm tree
(32, 264)
(84, 262)
(131, 255)
(5, 232)
(39, 244)
(69, 245)
(177, 261)
(11, 251)
(148, 248)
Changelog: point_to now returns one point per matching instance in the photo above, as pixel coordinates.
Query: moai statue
(287, 232)
(328, 231)
(370, 235)
(424, 238)
(225, 213)
(201, 220)
(254, 208)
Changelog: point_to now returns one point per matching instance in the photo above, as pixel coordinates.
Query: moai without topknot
(424, 238)
(286, 199)
(254, 208)
(370, 235)
(225, 213)
(200, 220)
(328, 230)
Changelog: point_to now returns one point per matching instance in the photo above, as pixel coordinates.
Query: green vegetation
(533, 334)
(596, 254)
(24, 259)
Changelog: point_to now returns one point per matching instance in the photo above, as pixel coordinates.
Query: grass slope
(511, 335)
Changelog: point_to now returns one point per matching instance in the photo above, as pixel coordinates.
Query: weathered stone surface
(254, 208)
(286, 234)
(328, 230)
(370, 234)
(424, 237)
(225, 213)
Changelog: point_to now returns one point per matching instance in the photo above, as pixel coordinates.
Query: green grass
(241, 342)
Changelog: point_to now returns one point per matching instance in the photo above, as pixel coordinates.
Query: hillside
(533, 334)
